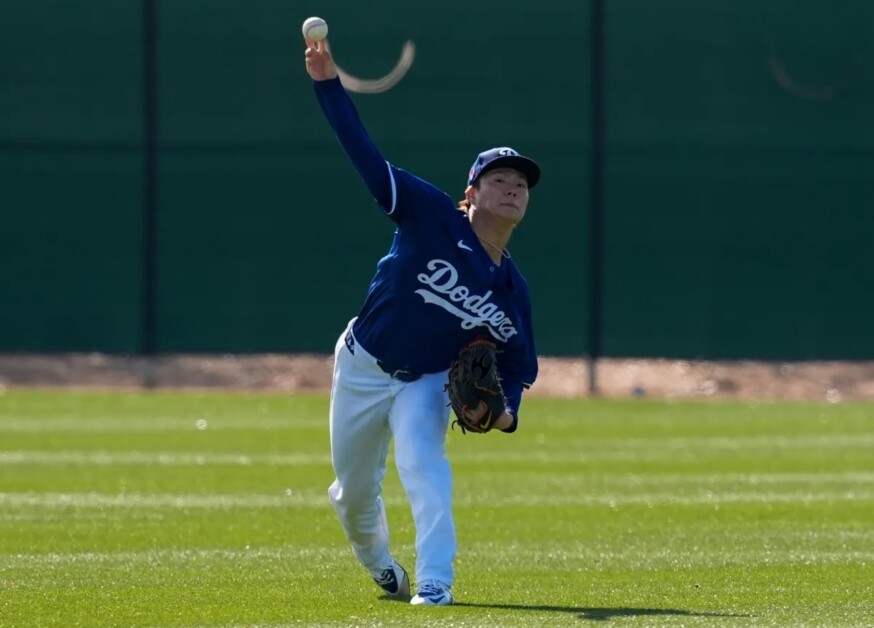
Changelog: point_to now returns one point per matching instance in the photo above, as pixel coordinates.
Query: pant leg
(419, 419)
(360, 436)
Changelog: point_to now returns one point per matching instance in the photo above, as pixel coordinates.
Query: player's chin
(510, 212)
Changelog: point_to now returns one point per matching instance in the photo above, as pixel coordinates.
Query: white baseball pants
(368, 407)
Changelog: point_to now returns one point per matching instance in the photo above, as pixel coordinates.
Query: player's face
(503, 192)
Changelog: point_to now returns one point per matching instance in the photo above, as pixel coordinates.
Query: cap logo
(507, 151)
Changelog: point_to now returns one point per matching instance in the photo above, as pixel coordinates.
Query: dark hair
(464, 204)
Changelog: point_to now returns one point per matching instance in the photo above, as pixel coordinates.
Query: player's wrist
(504, 421)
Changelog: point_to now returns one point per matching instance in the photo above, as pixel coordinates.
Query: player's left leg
(360, 437)
(419, 418)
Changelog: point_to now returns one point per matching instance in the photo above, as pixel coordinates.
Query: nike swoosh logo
(462, 245)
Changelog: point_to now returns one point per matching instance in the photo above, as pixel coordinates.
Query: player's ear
(468, 194)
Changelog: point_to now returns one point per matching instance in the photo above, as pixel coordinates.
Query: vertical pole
(150, 183)
(596, 211)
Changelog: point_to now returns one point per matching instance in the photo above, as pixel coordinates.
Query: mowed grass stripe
(610, 448)
(127, 458)
(593, 557)
(124, 424)
(157, 458)
(154, 557)
(37, 411)
(564, 479)
(493, 499)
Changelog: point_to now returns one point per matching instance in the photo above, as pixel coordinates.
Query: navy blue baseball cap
(504, 157)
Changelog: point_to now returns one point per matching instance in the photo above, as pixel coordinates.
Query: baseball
(315, 29)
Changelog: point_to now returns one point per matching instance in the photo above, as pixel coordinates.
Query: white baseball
(315, 29)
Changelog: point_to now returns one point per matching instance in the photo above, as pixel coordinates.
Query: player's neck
(494, 239)
(496, 253)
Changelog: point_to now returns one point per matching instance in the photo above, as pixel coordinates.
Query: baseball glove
(473, 378)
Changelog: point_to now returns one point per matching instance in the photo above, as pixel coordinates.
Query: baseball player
(446, 280)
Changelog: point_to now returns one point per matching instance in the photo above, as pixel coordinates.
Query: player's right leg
(360, 435)
(419, 418)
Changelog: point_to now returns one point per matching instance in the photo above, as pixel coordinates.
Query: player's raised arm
(343, 118)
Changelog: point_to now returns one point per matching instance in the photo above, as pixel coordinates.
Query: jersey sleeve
(356, 142)
(518, 365)
(413, 198)
(399, 193)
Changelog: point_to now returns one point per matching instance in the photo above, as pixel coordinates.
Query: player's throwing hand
(320, 64)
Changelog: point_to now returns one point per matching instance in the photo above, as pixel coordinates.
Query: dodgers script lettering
(474, 310)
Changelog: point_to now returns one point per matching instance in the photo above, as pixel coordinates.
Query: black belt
(402, 375)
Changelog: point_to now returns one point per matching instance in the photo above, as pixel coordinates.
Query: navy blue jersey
(437, 288)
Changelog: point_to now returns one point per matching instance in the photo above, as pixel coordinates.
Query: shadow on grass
(390, 598)
(600, 614)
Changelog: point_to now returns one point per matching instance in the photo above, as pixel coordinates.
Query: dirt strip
(830, 382)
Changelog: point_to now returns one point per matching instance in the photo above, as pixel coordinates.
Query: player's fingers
(323, 47)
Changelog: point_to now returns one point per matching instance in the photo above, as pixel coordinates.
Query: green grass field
(211, 510)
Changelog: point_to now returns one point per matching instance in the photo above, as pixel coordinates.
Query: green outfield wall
(737, 170)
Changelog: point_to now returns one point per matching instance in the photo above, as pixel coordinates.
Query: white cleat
(432, 593)
(393, 580)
